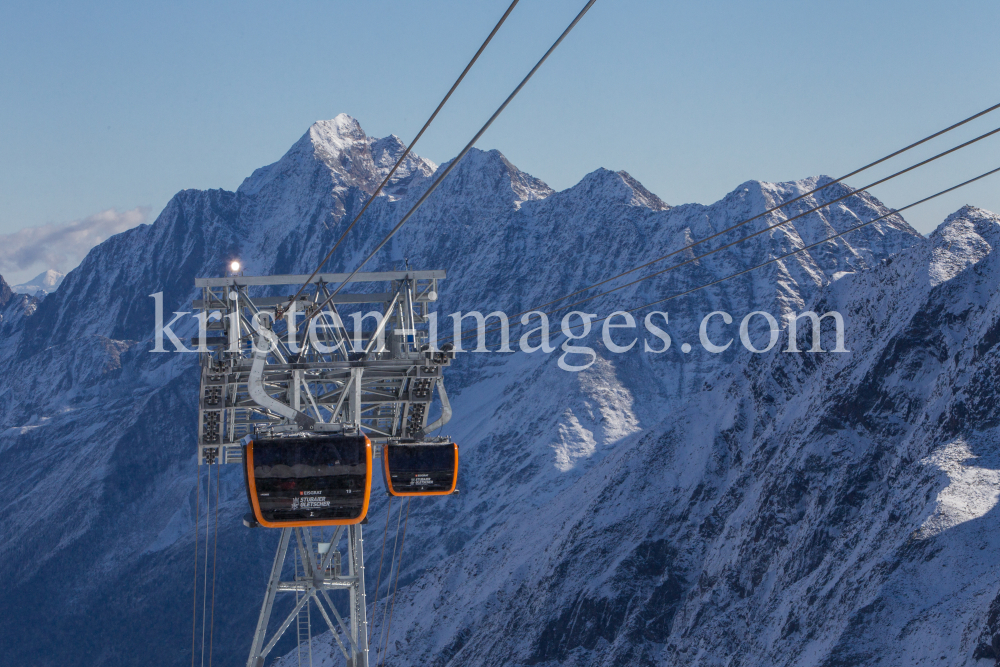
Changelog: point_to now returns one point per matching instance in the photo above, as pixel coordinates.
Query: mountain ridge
(666, 509)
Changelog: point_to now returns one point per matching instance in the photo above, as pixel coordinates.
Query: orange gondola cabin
(320, 480)
(420, 469)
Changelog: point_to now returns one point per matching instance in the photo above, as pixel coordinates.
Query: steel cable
(760, 215)
(406, 152)
(454, 163)
(696, 258)
(381, 558)
(798, 250)
(215, 557)
(194, 586)
(204, 597)
(817, 243)
(392, 560)
(399, 565)
(775, 226)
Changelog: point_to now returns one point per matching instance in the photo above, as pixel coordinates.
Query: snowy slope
(700, 509)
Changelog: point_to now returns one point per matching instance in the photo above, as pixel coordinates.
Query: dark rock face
(6, 294)
(654, 509)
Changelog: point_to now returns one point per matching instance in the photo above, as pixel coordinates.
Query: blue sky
(118, 105)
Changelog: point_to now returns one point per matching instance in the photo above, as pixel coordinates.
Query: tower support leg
(319, 575)
(256, 658)
(359, 616)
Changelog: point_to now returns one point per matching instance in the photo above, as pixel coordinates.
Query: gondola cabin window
(420, 469)
(308, 481)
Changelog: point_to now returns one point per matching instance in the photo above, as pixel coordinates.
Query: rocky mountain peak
(966, 221)
(337, 150)
(604, 184)
(336, 134)
(5, 292)
(482, 172)
(763, 195)
(385, 152)
(964, 238)
(46, 282)
(339, 143)
(640, 195)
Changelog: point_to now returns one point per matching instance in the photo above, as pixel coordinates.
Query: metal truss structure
(319, 570)
(275, 366)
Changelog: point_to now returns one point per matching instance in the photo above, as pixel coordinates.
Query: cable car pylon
(306, 419)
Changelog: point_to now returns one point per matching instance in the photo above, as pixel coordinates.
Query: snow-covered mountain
(45, 282)
(663, 509)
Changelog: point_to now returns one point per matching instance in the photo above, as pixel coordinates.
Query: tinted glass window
(421, 457)
(310, 479)
(421, 468)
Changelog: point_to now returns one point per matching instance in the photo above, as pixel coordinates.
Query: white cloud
(61, 246)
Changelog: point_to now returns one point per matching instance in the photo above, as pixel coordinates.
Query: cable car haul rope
(308, 417)
(306, 422)
(691, 245)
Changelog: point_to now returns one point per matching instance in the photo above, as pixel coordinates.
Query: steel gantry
(275, 366)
